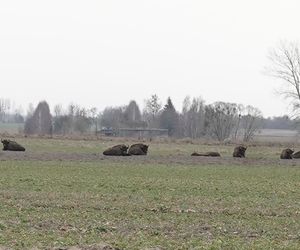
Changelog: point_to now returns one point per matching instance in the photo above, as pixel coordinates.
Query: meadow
(64, 192)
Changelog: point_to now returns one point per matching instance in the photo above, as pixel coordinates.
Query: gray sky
(105, 53)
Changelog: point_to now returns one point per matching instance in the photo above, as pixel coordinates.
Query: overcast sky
(106, 53)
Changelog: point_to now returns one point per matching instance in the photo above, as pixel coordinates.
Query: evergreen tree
(169, 118)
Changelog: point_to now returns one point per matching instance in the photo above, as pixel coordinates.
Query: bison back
(210, 154)
(12, 146)
(118, 150)
(286, 154)
(138, 149)
(296, 155)
(239, 152)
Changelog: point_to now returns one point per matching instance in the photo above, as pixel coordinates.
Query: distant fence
(134, 132)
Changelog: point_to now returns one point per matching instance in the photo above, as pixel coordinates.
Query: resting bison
(212, 154)
(286, 153)
(118, 150)
(239, 151)
(296, 155)
(9, 145)
(138, 149)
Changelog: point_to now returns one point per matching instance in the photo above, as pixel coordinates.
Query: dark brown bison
(296, 155)
(138, 149)
(118, 150)
(286, 153)
(211, 154)
(239, 151)
(9, 145)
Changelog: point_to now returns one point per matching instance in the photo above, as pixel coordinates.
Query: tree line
(219, 120)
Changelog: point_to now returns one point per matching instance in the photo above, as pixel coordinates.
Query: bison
(296, 155)
(9, 145)
(118, 150)
(138, 149)
(286, 153)
(211, 154)
(239, 151)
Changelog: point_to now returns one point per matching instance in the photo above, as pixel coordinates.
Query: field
(62, 193)
(277, 135)
(11, 128)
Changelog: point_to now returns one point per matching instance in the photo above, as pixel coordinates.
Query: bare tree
(17, 116)
(4, 108)
(61, 121)
(285, 65)
(30, 110)
(95, 116)
(81, 122)
(57, 110)
(221, 119)
(111, 117)
(62, 124)
(75, 119)
(193, 115)
(251, 121)
(151, 110)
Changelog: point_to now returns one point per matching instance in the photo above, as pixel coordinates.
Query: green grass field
(138, 205)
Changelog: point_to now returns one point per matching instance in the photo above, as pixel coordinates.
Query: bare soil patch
(179, 159)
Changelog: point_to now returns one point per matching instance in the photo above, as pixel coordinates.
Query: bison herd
(142, 149)
(123, 150)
